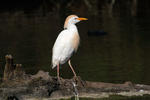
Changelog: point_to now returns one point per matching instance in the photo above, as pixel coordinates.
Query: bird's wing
(62, 48)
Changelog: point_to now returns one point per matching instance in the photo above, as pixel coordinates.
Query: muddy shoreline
(17, 85)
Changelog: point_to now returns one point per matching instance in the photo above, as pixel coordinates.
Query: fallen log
(17, 85)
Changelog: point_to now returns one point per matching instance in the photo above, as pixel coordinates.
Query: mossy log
(17, 85)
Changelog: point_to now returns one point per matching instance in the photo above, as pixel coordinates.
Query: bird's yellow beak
(82, 19)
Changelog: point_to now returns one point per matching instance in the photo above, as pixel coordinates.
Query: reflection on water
(118, 56)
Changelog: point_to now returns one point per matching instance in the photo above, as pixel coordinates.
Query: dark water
(115, 44)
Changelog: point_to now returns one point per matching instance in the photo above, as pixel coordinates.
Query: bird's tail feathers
(54, 64)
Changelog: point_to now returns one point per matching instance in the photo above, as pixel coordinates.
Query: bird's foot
(78, 81)
(60, 80)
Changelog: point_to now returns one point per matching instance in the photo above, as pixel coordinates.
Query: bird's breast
(75, 40)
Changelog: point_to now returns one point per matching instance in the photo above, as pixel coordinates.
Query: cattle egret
(66, 43)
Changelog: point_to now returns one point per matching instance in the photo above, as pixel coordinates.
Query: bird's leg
(58, 72)
(76, 79)
(69, 62)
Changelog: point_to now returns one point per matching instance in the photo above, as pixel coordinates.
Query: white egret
(66, 43)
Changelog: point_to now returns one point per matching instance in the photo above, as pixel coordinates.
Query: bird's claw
(60, 80)
(79, 81)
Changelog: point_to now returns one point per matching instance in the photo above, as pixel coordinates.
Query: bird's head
(73, 19)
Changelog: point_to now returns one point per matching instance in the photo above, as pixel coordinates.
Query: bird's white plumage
(63, 47)
(66, 43)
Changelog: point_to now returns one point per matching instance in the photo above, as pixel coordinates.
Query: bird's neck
(72, 27)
